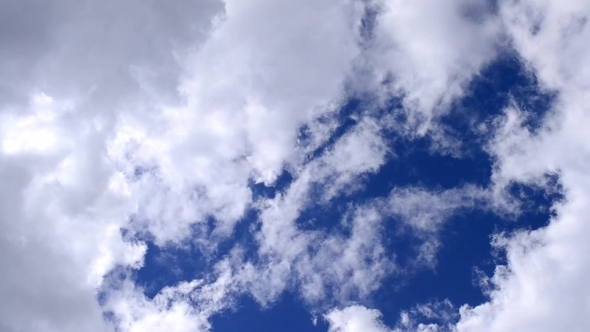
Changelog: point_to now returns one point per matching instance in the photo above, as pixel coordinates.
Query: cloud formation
(122, 123)
(542, 286)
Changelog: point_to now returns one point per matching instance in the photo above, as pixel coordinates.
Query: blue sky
(319, 165)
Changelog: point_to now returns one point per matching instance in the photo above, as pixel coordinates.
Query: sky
(311, 165)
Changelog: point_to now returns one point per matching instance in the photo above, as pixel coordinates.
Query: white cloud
(65, 70)
(345, 268)
(62, 208)
(167, 111)
(257, 79)
(355, 319)
(426, 210)
(320, 266)
(432, 50)
(543, 287)
(170, 310)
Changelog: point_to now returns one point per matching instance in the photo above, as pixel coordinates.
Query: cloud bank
(148, 121)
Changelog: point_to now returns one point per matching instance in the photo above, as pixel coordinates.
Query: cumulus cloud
(149, 117)
(542, 287)
(156, 117)
(429, 51)
(63, 206)
(66, 69)
(246, 90)
(324, 267)
(358, 318)
(355, 319)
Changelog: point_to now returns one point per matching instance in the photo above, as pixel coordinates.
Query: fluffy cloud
(158, 114)
(430, 50)
(355, 319)
(64, 74)
(63, 206)
(246, 92)
(156, 117)
(543, 287)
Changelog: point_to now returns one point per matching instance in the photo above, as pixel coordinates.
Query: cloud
(358, 318)
(355, 319)
(246, 91)
(325, 265)
(170, 310)
(425, 213)
(156, 118)
(542, 287)
(63, 206)
(66, 68)
(430, 50)
(150, 118)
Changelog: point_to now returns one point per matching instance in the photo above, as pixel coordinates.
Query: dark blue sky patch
(402, 243)
(465, 247)
(323, 216)
(261, 191)
(286, 315)
(416, 165)
(537, 201)
(168, 266)
(506, 80)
